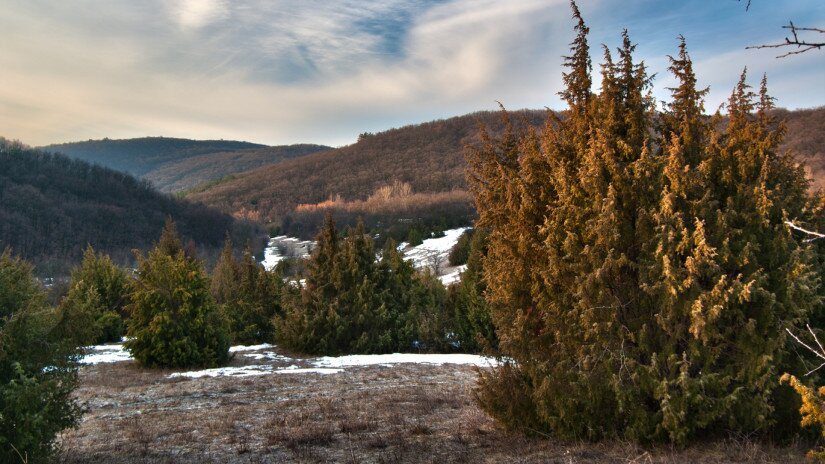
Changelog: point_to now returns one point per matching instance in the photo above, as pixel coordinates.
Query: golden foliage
(395, 197)
(812, 409)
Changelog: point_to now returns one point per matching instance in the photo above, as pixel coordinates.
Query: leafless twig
(819, 354)
(814, 235)
(802, 44)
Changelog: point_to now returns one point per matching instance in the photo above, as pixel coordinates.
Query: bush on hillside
(461, 250)
(473, 323)
(175, 321)
(37, 369)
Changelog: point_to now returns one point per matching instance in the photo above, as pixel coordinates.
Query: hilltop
(174, 164)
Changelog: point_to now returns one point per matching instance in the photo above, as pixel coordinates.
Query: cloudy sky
(322, 71)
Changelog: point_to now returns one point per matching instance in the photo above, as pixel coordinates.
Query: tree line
(175, 314)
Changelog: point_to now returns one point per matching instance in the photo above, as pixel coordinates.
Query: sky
(323, 71)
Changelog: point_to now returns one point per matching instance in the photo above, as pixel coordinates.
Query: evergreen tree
(170, 243)
(352, 303)
(472, 320)
(98, 294)
(640, 277)
(248, 294)
(175, 321)
(37, 369)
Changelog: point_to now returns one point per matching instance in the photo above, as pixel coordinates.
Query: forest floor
(404, 413)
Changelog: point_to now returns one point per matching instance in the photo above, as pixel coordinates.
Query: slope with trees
(427, 157)
(52, 207)
(173, 164)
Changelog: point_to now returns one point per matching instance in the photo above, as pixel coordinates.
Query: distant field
(406, 413)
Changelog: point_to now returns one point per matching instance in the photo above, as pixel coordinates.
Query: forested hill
(173, 164)
(429, 157)
(51, 207)
(806, 139)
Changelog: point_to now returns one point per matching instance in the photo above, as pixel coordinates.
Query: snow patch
(453, 276)
(433, 252)
(242, 371)
(105, 354)
(282, 247)
(268, 355)
(240, 348)
(308, 370)
(402, 358)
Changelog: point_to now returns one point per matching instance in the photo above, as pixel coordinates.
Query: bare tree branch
(814, 235)
(820, 354)
(802, 44)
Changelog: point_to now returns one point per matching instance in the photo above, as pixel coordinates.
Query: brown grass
(403, 414)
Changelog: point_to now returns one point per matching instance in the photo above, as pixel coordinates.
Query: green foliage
(175, 321)
(415, 237)
(37, 369)
(91, 313)
(472, 320)
(640, 274)
(352, 303)
(249, 296)
(461, 250)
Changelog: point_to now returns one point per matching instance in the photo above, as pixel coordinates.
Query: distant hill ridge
(52, 206)
(174, 164)
(429, 157)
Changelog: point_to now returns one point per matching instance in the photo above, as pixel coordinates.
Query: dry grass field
(406, 413)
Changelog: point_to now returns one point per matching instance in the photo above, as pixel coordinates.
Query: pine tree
(93, 310)
(38, 370)
(170, 243)
(175, 321)
(472, 319)
(352, 303)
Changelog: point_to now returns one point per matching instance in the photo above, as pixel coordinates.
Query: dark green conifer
(175, 321)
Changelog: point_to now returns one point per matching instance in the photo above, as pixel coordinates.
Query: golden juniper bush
(639, 272)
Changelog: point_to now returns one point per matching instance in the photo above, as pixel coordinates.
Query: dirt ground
(406, 413)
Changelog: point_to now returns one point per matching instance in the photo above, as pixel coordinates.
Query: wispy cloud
(191, 14)
(318, 71)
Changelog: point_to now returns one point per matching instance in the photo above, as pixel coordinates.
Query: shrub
(98, 294)
(352, 303)
(175, 321)
(473, 324)
(640, 272)
(249, 296)
(37, 369)
(461, 250)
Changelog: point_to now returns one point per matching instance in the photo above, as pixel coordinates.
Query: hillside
(190, 172)
(51, 207)
(429, 157)
(178, 164)
(806, 139)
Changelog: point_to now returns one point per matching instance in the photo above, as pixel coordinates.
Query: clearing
(268, 406)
